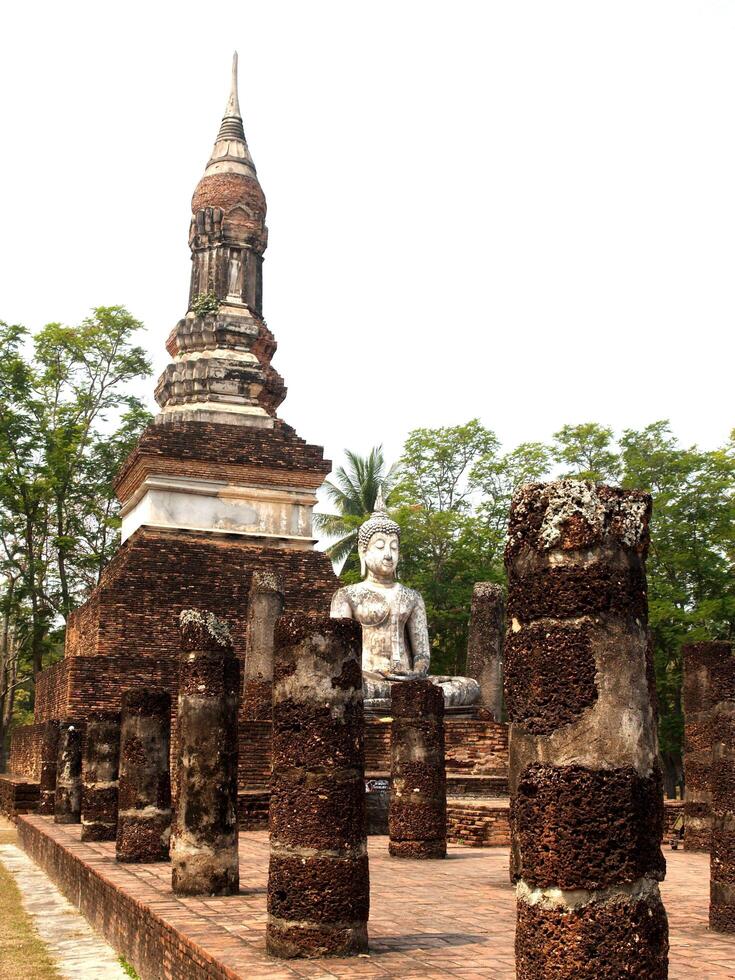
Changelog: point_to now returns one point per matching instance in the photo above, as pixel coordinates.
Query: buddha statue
(395, 636)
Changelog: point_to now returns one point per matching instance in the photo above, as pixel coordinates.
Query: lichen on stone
(217, 629)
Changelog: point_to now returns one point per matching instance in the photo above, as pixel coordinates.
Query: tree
(587, 452)
(691, 584)
(67, 421)
(444, 547)
(353, 491)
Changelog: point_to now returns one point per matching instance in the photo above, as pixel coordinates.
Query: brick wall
(25, 751)
(51, 693)
(472, 747)
(478, 824)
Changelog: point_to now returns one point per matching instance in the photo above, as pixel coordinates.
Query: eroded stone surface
(205, 834)
(318, 883)
(68, 798)
(144, 814)
(100, 775)
(586, 793)
(417, 816)
(722, 856)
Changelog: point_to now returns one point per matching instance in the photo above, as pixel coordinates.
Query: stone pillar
(722, 856)
(100, 776)
(68, 798)
(144, 815)
(586, 791)
(49, 754)
(265, 606)
(204, 858)
(318, 886)
(485, 644)
(699, 662)
(417, 818)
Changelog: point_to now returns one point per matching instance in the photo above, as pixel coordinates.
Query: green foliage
(205, 303)
(128, 968)
(452, 496)
(352, 491)
(67, 421)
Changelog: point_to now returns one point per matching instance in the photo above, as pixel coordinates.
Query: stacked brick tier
(227, 453)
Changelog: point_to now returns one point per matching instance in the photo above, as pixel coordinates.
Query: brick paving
(452, 918)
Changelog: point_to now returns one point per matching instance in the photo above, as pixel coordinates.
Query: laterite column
(586, 791)
(318, 886)
(68, 798)
(700, 660)
(485, 644)
(204, 859)
(722, 783)
(265, 606)
(100, 776)
(49, 759)
(144, 814)
(417, 818)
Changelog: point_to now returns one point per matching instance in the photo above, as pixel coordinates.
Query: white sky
(519, 211)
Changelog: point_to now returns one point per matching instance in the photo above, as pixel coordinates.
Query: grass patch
(22, 953)
(130, 970)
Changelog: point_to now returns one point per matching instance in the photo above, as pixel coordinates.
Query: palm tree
(352, 491)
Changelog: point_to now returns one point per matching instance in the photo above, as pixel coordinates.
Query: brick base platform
(461, 921)
(478, 823)
(18, 794)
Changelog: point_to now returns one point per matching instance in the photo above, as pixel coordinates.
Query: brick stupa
(218, 486)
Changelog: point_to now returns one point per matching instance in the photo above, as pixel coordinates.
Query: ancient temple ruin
(216, 504)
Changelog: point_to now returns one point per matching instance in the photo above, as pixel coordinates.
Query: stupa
(218, 487)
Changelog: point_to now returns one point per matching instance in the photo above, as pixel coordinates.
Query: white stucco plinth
(281, 515)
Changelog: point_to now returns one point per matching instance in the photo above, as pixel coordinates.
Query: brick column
(49, 754)
(144, 815)
(699, 661)
(485, 644)
(68, 798)
(318, 887)
(586, 791)
(722, 856)
(100, 776)
(722, 784)
(417, 818)
(204, 858)
(265, 606)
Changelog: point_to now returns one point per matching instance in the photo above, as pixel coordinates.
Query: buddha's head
(378, 542)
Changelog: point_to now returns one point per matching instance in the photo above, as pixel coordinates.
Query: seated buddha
(395, 636)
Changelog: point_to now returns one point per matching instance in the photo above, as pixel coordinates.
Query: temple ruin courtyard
(429, 919)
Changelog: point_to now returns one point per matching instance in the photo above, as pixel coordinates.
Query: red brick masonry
(460, 925)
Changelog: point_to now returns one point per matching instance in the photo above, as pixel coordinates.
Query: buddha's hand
(421, 668)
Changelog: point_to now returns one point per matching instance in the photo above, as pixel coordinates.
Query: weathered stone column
(586, 791)
(100, 776)
(144, 815)
(204, 858)
(417, 818)
(318, 886)
(265, 606)
(68, 798)
(699, 661)
(722, 855)
(49, 758)
(485, 644)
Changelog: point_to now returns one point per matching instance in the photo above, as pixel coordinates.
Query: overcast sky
(519, 211)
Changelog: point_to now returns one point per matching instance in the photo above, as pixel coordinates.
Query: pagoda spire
(231, 126)
(231, 153)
